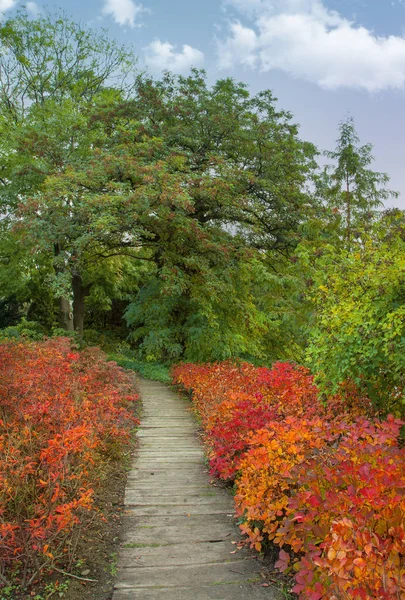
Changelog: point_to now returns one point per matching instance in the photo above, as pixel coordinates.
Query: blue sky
(323, 59)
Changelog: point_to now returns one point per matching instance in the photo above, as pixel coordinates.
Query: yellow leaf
(331, 554)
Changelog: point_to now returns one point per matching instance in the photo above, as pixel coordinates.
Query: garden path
(179, 528)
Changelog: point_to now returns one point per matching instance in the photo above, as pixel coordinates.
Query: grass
(147, 370)
(113, 564)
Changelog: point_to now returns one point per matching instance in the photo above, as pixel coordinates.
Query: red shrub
(62, 414)
(317, 479)
(355, 498)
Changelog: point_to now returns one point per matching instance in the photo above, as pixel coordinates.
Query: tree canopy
(193, 179)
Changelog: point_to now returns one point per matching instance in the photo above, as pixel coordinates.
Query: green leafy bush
(30, 330)
(359, 332)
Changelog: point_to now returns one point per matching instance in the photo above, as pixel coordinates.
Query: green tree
(348, 197)
(247, 174)
(55, 58)
(352, 192)
(52, 74)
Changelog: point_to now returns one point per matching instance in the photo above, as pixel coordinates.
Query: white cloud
(7, 4)
(241, 47)
(309, 41)
(124, 12)
(164, 56)
(33, 8)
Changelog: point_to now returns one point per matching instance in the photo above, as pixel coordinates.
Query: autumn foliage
(63, 416)
(320, 480)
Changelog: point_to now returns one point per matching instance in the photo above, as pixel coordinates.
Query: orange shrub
(320, 481)
(62, 414)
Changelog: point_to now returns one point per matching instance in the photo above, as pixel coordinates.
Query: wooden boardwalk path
(178, 527)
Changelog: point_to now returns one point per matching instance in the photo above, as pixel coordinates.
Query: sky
(323, 59)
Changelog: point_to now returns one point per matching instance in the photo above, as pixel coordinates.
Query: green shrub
(31, 330)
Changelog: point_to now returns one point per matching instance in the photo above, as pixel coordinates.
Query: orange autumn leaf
(62, 413)
(321, 480)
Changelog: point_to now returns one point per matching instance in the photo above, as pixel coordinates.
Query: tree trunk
(65, 314)
(348, 212)
(80, 292)
(65, 311)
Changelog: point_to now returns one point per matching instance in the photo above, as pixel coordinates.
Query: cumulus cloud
(7, 4)
(241, 46)
(124, 12)
(164, 56)
(309, 41)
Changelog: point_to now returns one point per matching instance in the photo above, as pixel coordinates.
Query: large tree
(199, 182)
(213, 179)
(52, 74)
(248, 174)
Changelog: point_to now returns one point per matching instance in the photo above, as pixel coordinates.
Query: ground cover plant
(323, 481)
(64, 415)
(154, 371)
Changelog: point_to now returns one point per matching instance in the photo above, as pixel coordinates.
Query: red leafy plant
(319, 480)
(63, 415)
